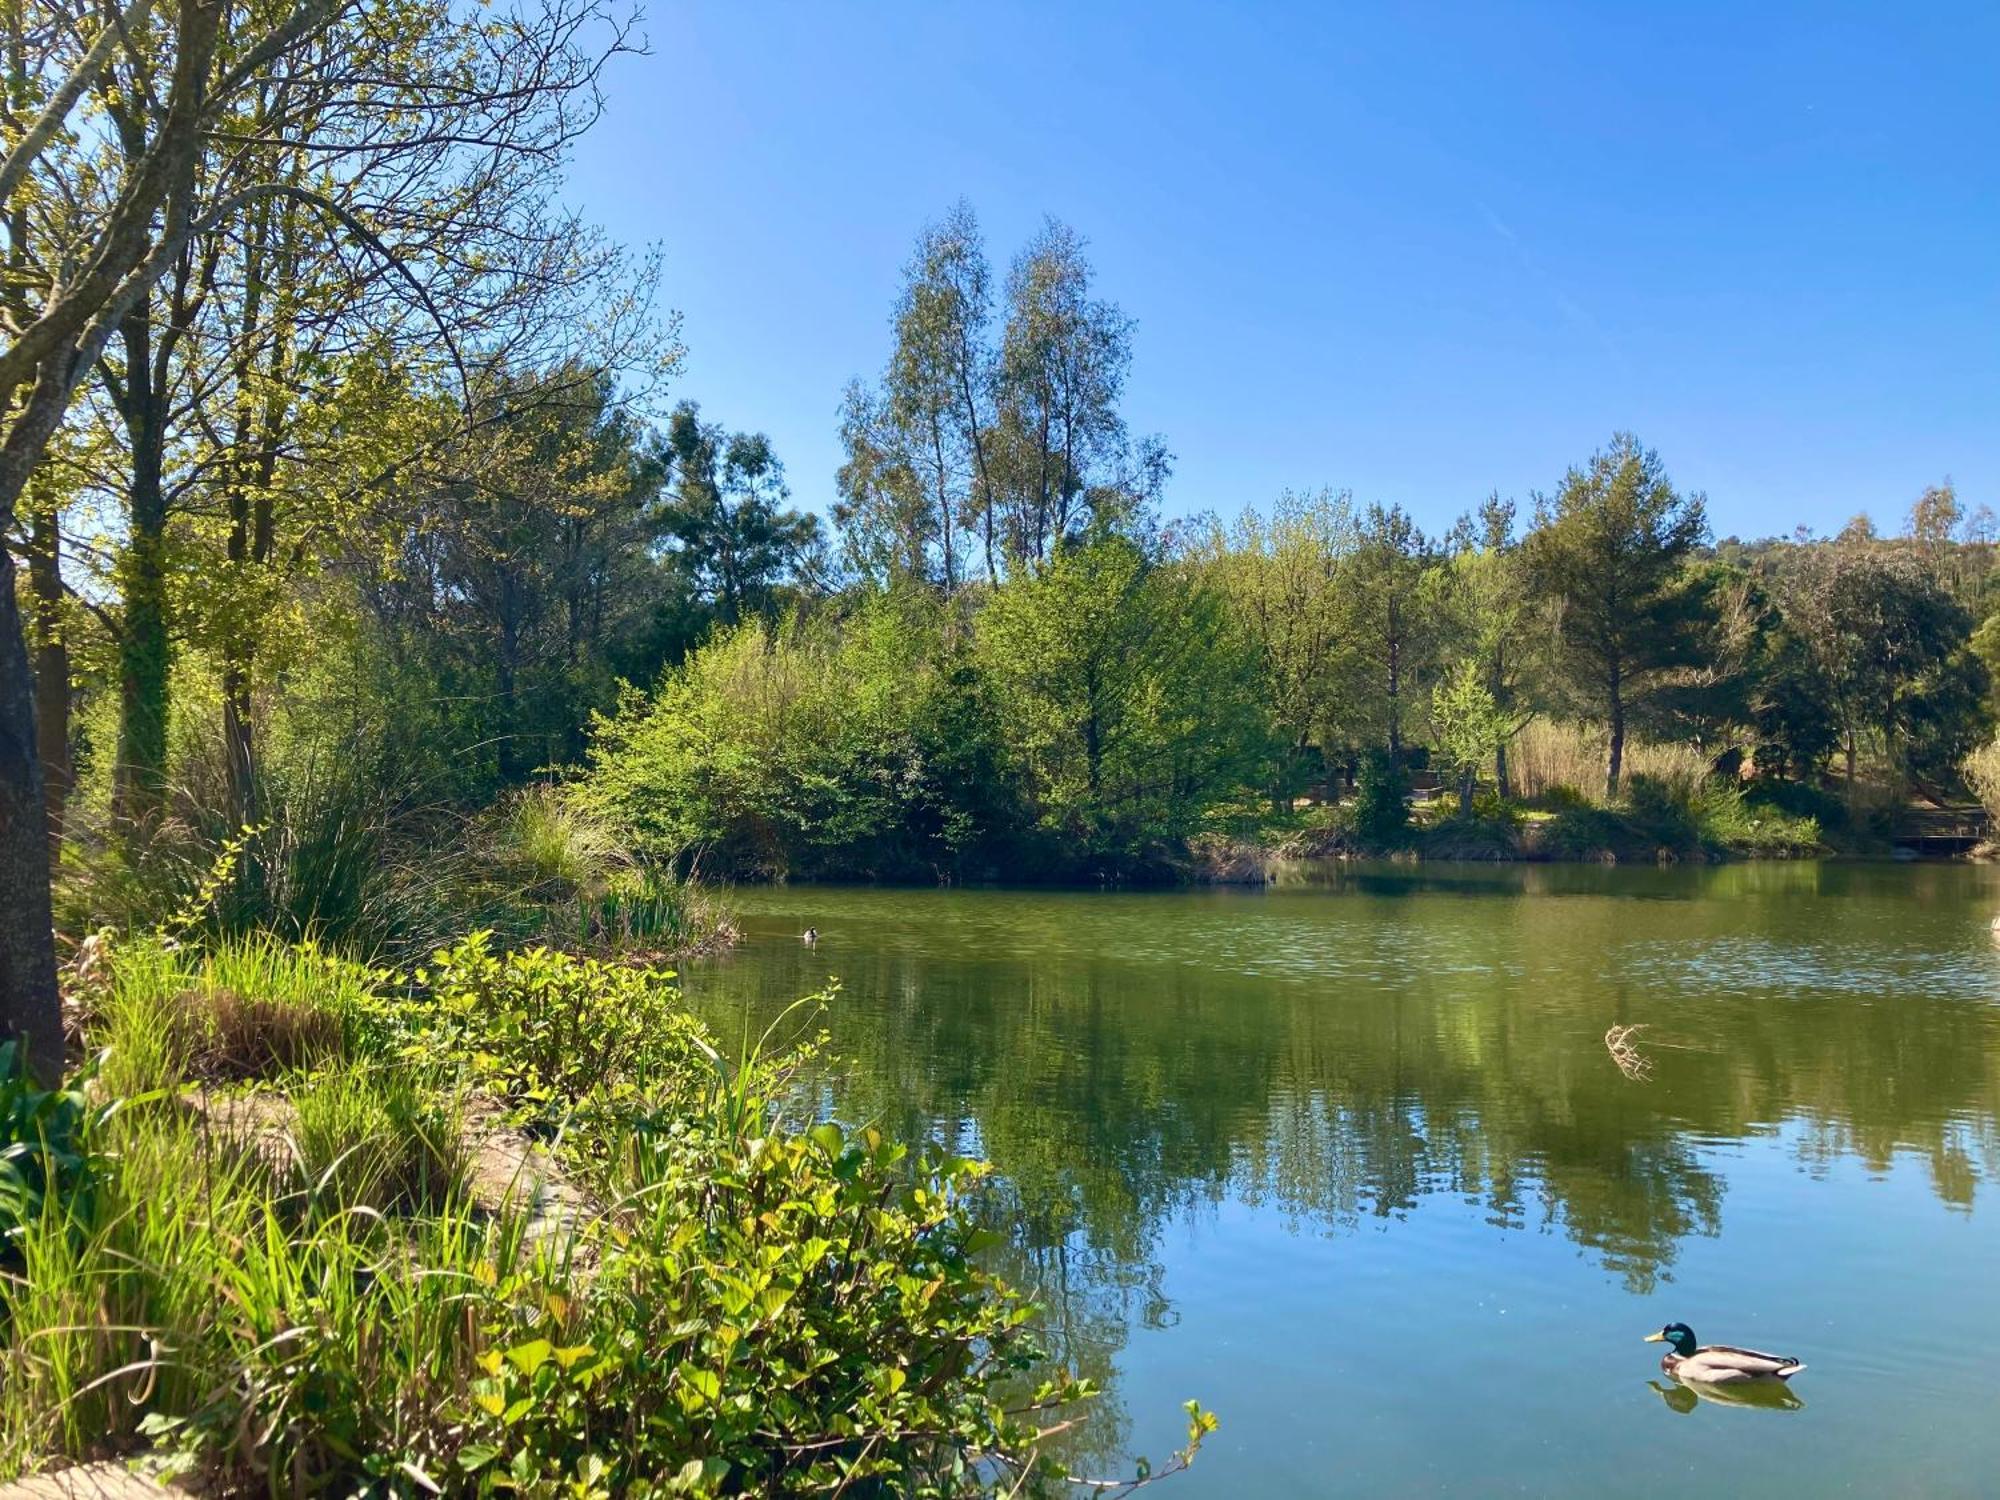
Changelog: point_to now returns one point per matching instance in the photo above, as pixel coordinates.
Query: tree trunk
(143, 649)
(29, 1006)
(1617, 746)
(1395, 689)
(1465, 792)
(52, 687)
(1500, 781)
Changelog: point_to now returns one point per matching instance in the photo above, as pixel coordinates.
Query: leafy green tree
(1126, 695)
(1395, 595)
(525, 552)
(1882, 633)
(1608, 555)
(1493, 620)
(1469, 725)
(1285, 582)
(728, 519)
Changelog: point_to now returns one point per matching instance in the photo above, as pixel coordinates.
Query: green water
(1348, 1159)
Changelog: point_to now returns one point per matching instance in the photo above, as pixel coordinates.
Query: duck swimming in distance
(810, 936)
(1718, 1364)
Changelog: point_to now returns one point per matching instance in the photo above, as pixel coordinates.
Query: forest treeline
(996, 658)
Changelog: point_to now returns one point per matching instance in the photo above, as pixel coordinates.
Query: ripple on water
(1750, 966)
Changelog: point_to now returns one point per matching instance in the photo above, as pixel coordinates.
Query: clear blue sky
(1416, 251)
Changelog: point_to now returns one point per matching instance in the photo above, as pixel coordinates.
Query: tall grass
(194, 1310)
(369, 1137)
(1548, 758)
(553, 846)
(1982, 773)
(244, 1008)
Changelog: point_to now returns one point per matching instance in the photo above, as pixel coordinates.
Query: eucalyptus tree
(940, 379)
(1607, 555)
(135, 136)
(917, 460)
(1062, 459)
(1018, 447)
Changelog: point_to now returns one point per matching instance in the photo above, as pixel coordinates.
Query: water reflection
(1357, 1043)
(1684, 1397)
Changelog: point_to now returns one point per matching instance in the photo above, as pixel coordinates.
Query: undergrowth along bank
(253, 1240)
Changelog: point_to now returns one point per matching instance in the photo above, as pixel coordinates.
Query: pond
(1349, 1158)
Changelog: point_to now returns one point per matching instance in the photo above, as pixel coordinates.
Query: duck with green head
(1718, 1364)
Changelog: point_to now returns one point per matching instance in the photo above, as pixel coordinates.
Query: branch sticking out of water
(1619, 1042)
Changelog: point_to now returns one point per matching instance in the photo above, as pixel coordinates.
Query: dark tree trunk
(143, 649)
(52, 688)
(1617, 744)
(29, 1006)
(1500, 781)
(1395, 688)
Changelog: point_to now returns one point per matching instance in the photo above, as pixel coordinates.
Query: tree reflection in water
(1340, 1051)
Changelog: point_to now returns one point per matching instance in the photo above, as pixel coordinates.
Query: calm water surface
(1348, 1159)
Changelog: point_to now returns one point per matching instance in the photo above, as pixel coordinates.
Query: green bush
(1731, 822)
(1381, 803)
(50, 1160)
(545, 1031)
(732, 1341)
(860, 746)
(1797, 799)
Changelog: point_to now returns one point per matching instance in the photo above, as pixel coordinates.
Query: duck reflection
(1685, 1396)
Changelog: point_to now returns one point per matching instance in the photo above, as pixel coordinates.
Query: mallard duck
(1718, 1364)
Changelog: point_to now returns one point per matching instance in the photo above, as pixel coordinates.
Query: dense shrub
(50, 1159)
(544, 1031)
(1082, 723)
(1381, 803)
(862, 747)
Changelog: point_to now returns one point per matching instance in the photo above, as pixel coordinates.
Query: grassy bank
(505, 1223)
(1696, 818)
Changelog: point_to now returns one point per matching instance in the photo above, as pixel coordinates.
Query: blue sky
(1418, 251)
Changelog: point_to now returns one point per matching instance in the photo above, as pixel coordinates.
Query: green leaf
(531, 1356)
